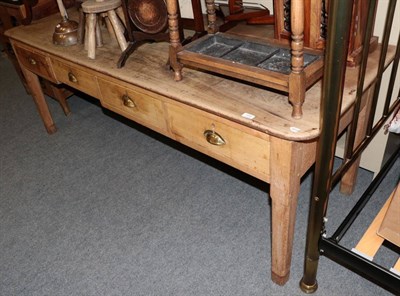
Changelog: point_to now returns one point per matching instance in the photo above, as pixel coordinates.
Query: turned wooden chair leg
(297, 87)
(211, 17)
(297, 93)
(174, 36)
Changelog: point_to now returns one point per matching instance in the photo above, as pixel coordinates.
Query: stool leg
(120, 13)
(92, 36)
(99, 39)
(86, 35)
(118, 29)
(81, 26)
(109, 28)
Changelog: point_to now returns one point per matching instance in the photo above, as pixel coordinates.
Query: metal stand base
(308, 289)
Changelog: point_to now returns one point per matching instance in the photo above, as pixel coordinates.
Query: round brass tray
(149, 16)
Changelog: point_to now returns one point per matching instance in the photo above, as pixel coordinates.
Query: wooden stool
(93, 36)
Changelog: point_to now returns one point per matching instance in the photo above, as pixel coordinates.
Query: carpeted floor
(107, 207)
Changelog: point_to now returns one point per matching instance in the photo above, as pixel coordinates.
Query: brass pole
(392, 78)
(361, 76)
(381, 67)
(334, 69)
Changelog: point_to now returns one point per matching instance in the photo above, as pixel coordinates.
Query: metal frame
(364, 267)
(324, 179)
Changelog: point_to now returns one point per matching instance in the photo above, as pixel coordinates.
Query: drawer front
(221, 139)
(133, 104)
(34, 61)
(76, 77)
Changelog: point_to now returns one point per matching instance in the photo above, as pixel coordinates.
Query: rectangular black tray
(264, 56)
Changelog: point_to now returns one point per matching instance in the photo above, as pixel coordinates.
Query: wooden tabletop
(146, 68)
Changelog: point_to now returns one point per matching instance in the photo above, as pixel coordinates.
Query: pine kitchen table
(245, 126)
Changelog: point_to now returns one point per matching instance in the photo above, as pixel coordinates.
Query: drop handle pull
(32, 61)
(72, 77)
(214, 138)
(128, 102)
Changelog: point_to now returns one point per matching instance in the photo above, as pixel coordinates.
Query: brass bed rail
(324, 179)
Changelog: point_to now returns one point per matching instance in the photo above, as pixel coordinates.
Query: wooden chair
(315, 19)
(236, 11)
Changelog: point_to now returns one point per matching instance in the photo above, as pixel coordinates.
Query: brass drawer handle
(214, 138)
(72, 77)
(32, 61)
(128, 102)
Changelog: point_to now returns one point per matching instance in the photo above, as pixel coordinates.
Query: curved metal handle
(214, 138)
(128, 102)
(72, 77)
(32, 61)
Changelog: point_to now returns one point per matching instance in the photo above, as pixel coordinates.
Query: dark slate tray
(280, 61)
(216, 46)
(264, 56)
(250, 54)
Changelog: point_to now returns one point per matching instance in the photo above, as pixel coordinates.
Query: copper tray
(149, 16)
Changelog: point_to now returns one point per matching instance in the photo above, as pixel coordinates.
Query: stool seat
(107, 8)
(93, 6)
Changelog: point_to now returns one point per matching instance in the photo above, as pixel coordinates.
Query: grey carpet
(107, 207)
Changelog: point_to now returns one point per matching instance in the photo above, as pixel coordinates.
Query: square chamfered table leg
(289, 161)
(33, 83)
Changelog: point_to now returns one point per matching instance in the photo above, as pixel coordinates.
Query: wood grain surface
(227, 98)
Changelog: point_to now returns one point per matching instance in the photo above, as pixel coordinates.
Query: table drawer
(76, 77)
(236, 145)
(133, 104)
(34, 61)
